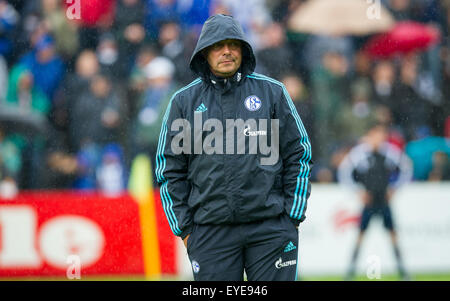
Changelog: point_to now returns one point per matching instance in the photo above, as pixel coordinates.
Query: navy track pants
(266, 250)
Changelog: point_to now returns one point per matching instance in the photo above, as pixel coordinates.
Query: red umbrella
(404, 38)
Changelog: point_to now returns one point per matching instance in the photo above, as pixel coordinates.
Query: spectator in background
(97, 114)
(282, 9)
(24, 93)
(176, 48)
(441, 167)
(317, 46)
(102, 168)
(9, 18)
(253, 16)
(190, 14)
(384, 116)
(159, 11)
(129, 33)
(87, 160)
(152, 105)
(411, 112)
(296, 41)
(138, 78)
(110, 173)
(29, 29)
(356, 115)
(274, 57)
(61, 28)
(299, 95)
(446, 91)
(362, 66)
(45, 65)
(137, 83)
(194, 13)
(10, 166)
(107, 52)
(59, 167)
(27, 97)
(328, 89)
(422, 151)
(170, 39)
(383, 80)
(431, 13)
(3, 78)
(75, 83)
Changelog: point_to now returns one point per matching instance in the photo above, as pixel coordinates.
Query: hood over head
(218, 28)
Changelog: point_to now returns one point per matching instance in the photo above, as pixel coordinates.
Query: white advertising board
(421, 213)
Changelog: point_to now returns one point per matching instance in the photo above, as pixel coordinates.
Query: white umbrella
(341, 17)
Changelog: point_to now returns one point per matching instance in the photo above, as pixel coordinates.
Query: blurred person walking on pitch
(236, 206)
(375, 168)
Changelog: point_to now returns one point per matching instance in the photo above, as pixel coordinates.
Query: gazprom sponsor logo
(280, 264)
(249, 132)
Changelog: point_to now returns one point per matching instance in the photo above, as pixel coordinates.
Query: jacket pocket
(290, 223)
(190, 240)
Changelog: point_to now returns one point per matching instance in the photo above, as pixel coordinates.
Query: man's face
(224, 57)
(377, 136)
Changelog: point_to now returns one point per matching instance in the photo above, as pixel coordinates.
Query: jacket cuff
(302, 219)
(296, 222)
(186, 232)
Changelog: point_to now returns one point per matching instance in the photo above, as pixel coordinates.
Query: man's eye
(233, 45)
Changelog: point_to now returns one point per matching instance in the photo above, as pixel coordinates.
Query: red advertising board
(46, 233)
(60, 233)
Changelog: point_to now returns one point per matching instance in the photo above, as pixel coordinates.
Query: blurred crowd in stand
(91, 80)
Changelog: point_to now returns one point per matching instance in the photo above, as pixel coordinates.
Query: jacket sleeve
(295, 151)
(403, 166)
(171, 174)
(346, 169)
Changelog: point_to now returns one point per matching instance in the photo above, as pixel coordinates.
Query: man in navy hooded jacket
(235, 199)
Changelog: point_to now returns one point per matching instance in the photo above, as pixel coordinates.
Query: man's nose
(226, 49)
